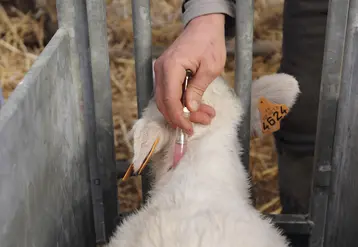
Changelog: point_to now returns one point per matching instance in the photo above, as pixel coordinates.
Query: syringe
(181, 137)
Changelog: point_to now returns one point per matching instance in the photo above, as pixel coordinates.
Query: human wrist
(217, 19)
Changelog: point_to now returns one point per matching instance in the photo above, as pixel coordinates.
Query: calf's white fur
(204, 201)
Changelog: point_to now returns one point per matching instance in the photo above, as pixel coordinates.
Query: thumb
(196, 88)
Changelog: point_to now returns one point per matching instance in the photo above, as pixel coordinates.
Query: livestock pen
(64, 110)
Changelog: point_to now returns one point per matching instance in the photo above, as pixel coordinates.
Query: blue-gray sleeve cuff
(194, 8)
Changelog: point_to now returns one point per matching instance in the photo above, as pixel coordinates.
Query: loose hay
(22, 40)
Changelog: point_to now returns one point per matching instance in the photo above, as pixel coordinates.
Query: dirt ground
(23, 36)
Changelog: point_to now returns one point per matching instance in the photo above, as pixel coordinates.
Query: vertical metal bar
(142, 30)
(2, 101)
(97, 27)
(243, 74)
(342, 225)
(326, 123)
(72, 16)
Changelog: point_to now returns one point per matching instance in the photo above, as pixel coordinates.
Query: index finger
(173, 79)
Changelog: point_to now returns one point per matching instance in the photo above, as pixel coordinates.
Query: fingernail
(212, 114)
(194, 105)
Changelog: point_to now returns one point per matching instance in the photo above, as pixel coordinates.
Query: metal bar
(259, 48)
(326, 122)
(72, 16)
(142, 30)
(342, 225)
(243, 73)
(292, 223)
(97, 27)
(2, 101)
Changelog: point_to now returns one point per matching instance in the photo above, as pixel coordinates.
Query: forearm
(195, 8)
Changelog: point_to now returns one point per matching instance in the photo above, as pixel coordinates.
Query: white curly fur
(204, 201)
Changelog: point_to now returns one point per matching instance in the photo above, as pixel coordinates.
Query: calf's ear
(278, 88)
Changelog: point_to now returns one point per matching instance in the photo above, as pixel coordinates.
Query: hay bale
(23, 40)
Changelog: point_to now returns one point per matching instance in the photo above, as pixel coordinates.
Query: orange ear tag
(271, 115)
(130, 169)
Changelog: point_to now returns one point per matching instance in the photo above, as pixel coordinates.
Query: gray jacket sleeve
(195, 8)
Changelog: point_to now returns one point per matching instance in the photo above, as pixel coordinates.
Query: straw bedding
(23, 37)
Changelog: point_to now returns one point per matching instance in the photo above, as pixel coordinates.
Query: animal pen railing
(57, 166)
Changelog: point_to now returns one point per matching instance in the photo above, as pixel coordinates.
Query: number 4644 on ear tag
(271, 115)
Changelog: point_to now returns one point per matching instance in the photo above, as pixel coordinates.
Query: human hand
(200, 48)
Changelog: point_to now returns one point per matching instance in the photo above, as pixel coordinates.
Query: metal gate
(57, 165)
